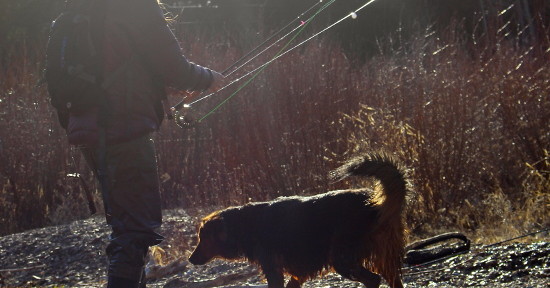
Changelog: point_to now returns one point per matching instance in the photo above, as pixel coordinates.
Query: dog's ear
(216, 228)
(221, 229)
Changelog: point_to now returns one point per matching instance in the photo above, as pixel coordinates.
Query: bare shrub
(471, 124)
(469, 119)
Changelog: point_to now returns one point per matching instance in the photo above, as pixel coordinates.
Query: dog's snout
(198, 257)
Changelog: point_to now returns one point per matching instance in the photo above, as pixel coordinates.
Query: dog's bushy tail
(387, 244)
(387, 170)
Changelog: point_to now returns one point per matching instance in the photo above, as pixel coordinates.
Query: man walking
(140, 59)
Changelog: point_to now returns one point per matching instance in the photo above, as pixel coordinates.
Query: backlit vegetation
(469, 118)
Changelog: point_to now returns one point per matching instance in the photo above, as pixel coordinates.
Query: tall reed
(470, 120)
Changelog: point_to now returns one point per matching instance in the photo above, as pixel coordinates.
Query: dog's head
(213, 240)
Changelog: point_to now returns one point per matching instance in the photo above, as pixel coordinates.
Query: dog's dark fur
(358, 233)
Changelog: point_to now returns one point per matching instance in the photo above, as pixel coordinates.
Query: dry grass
(471, 121)
(473, 125)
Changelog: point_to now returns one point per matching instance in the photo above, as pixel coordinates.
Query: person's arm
(159, 47)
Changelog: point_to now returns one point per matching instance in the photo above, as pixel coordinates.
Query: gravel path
(72, 256)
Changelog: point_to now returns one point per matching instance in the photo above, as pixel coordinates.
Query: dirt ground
(72, 255)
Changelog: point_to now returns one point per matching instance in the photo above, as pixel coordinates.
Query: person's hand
(218, 81)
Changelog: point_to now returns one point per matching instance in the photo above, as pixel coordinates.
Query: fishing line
(262, 67)
(352, 14)
(226, 72)
(280, 39)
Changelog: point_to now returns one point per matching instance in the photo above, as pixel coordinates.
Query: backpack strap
(97, 21)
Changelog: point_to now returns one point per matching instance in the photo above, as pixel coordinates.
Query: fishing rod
(262, 67)
(352, 15)
(227, 72)
(302, 23)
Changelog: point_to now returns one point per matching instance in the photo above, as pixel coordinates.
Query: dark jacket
(137, 38)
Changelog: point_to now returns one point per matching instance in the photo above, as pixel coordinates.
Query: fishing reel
(182, 113)
(185, 117)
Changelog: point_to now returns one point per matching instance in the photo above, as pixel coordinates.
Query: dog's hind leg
(358, 273)
(348, 263)
(394, 280)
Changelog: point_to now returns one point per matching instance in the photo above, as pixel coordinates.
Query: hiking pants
(132, 202)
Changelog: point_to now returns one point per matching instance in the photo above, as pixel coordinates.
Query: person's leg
(133, 199)
(118, 282)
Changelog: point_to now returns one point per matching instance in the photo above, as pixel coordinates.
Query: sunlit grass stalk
(470, 123)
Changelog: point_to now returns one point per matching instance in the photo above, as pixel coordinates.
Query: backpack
(73, 59)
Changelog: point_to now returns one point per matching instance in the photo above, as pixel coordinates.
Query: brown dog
(358, 233)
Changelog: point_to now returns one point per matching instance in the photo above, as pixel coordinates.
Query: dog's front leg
(275, 279)
(274, 276)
